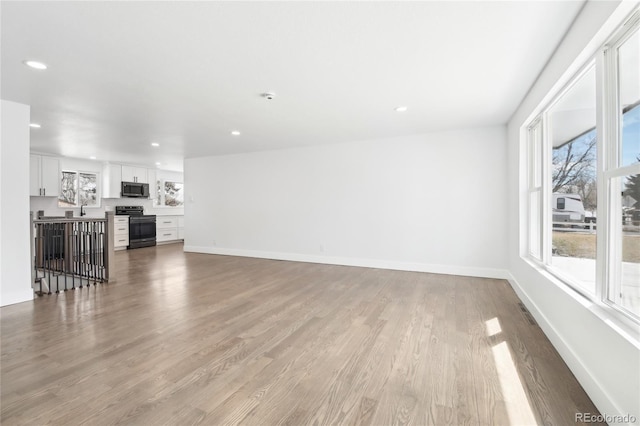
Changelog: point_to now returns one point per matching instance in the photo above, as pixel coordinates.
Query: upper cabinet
(134, 174)
(114, 174)
(111, 180)
(44, 176)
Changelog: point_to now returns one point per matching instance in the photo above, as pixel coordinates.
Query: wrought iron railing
(70, 253)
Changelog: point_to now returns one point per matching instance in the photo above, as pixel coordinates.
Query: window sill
(618, 321)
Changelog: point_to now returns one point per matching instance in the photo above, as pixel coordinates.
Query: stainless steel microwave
(135, 189)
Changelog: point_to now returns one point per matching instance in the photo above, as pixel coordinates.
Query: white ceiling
(184, 74)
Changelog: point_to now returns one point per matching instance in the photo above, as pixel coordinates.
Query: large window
(584, 178)
(622, 171)
(78, 189)
(573, 137)
(169, 193)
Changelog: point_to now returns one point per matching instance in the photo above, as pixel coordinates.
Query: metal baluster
(94, 248)
(61, 251)
(92, 251)
(65, 249)
(98, 247)
(104, 251)
(45, 250)
(79, 254)
(72, 259)
(47, 241)
(55, 255)
(77, 251)
(84, 251)
(96, 255)
(90, 244)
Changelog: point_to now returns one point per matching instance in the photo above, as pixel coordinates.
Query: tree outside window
(78, 189)
(169, 193)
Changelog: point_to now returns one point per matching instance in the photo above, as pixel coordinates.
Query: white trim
(349, 261)
(630, 169)
(603, 60)
(602, 400)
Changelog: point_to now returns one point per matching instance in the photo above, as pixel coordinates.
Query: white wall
(15, 252)
(433, 202)
(604, 359)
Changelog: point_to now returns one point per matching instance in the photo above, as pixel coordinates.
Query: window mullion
(546, 215)
(605, 118)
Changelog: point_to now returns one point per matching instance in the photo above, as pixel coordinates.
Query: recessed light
(35, 65)
(235, 133)
(155, 144)
(93, 157)
(157, 163)
(35, 125)
(401, 109)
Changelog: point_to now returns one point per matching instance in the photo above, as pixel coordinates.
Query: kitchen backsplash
(50, 207)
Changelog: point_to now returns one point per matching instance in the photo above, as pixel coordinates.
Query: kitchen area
(148, 202)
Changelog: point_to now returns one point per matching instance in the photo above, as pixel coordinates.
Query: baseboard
(366, 263)
(601, 399)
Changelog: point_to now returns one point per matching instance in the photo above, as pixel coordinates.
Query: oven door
(142, 231)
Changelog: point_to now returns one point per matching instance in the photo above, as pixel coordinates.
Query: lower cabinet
(120, 232)
(168, 228)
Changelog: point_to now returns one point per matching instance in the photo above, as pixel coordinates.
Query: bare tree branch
(571, 167)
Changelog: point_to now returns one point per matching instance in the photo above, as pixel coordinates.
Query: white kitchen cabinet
(167, 229)
(111, 180)
(134, 174)
(120, 232)
(166, 222)
(44, 176)
(164, 235)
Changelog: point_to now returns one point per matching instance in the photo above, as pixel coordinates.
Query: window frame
(160, 194)
(77, 174)
(608, 152)
(535, 186)
(612, 171)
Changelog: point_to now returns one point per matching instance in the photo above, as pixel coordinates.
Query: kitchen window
(169, 193)
(78, 189)
(583, 183)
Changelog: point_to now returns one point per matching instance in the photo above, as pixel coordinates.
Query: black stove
(142, 227)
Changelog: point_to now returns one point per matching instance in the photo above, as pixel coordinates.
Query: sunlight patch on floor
(493, 327)
(515, 399)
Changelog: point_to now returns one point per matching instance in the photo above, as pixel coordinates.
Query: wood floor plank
(186, 338)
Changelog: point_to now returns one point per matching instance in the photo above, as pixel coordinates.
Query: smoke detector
(268, 95)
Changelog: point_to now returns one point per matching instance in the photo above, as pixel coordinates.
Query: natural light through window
(515, 399)
(573, 182)
(625, 180)
(493, 327)
(584, 212)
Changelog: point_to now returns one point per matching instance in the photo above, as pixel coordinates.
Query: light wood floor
(201, 339)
